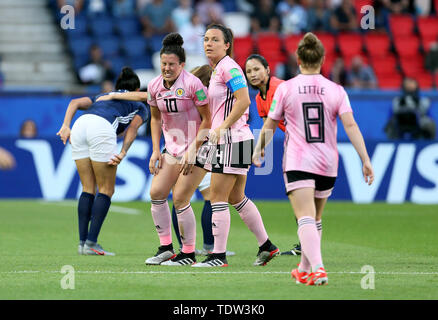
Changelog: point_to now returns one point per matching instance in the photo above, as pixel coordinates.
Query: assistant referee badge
(179, 92)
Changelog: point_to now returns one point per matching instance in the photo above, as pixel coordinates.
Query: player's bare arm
(74, 105)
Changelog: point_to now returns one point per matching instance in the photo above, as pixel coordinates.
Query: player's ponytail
(172, 43)
(127, 80)
(310, 51)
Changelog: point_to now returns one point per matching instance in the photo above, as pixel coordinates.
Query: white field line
(113, 208)
(213, 272)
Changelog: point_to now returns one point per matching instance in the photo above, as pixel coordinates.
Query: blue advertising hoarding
(404, 171)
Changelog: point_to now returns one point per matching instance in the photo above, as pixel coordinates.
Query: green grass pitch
(399, 241)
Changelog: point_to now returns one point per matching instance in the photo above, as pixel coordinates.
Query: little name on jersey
(311, 89)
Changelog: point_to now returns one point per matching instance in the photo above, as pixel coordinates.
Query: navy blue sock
(84, 214)
(100, 209)
(206, 223)
(175, 225)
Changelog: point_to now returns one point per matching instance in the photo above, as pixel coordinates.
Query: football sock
(220, 221)
(252, 218)
(206, 225)
(161, 217)
(310, 241)
(304, 264)
(187, 227)
(85, 204)
(319, 228)
(98, 214)
(175, 226)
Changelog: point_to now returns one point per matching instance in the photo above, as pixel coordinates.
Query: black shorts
(198, 161)
(231, 158)
(323, 185)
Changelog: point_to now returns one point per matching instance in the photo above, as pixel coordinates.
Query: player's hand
(64, 133)
(187, 162)
(105, 97)
(368, 172)
(214, 136)
(7, 160)
(257, 158)
(155, 162)
(117, 158)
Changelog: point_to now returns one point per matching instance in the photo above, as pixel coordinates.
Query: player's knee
(235, 198)
(107, 190)
(179, 199)
(157, 194)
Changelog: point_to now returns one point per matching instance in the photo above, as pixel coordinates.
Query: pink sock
(304, 263)
(252, 218)
(220, 220)
(187, 228)
(310, 241)
(161, 216)
(319, 227)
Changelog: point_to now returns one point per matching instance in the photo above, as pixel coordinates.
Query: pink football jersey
(227, 78)
(310, 104)
(180, 118)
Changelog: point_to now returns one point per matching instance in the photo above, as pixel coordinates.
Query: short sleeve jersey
(118, 112)
(180, 119)
(227, 78)
(263, 105)
(310, 105)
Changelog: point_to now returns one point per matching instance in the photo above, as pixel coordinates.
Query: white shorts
(205, 183)
(93, 137)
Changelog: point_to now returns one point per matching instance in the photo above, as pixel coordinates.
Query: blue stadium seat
(117, 63)
(155, 43)
(80, 28)
(110, 46)
(134, 46)
(229, 5)
(128, 27)
(80, 61)
(102, 26)
(80, 45)
(141, 62)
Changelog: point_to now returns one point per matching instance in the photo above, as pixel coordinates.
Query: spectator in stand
(360, 76)
(288, 70)
(293, 16)
(210, 11)
(343, 18)
(265, 18)
(7, 160)
(96, 8)
(97, 70)
(28, 129)
(193, 35)
(431, 60)
(318, 16)
(123, 8)
(156, 18)
(383, 8)
(410, 118)
(338, 73)
(78, 5)
(182, 14)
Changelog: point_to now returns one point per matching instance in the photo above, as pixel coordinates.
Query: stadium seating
(350, 44)
(127, 27)
(407, 46)
(243, 47)
(238, 22)
(329, 42)
(101, 27)
(377, 44)
(401, 25)
(134, 47)
(270, 46)
(109, 46)
(291, 42)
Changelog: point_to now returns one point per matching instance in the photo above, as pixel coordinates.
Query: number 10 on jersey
(171, 105)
